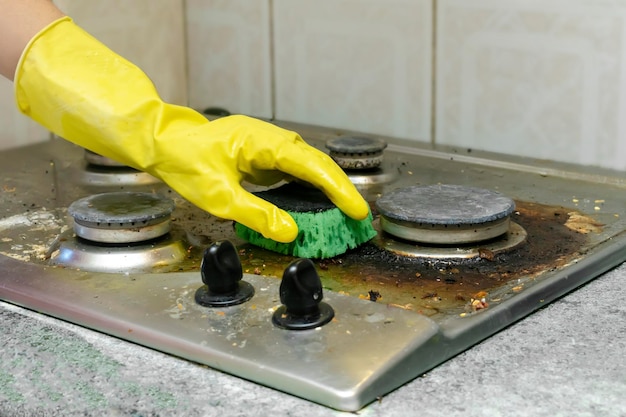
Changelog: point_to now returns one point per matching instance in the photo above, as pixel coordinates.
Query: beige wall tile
(543, 79)
(362, 65)
(229, 55)
(15, 128)
(149, 33)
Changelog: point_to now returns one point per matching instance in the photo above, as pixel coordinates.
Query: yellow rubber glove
(79, 89)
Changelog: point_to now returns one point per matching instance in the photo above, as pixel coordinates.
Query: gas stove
(115, 250)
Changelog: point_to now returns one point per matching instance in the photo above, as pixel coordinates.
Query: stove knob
(221, 273)
(301, 295)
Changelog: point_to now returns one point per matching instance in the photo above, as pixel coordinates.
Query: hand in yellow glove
(82, 91)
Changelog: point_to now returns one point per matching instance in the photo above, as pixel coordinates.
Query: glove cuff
(20, 97)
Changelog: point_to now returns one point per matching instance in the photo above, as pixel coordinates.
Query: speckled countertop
(568, 359)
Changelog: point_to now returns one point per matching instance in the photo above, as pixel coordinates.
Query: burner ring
(356, 152)
(445, 234)
(102, 171)
(99, 160)
(513, 237)
(121, 217)
(445, 214)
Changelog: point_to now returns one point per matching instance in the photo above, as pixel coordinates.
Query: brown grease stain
(435, 287)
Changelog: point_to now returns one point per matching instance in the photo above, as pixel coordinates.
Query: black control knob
(221, 273)
(301, 296)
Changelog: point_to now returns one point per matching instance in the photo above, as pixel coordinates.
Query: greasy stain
(556, 236)
(441, 287)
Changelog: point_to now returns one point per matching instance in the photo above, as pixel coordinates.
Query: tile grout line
(272, 42)
(433, 68)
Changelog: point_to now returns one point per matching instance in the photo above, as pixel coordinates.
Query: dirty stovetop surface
(574, 219)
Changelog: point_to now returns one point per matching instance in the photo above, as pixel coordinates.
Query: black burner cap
(356, 145)
(121, 207)
(445, 205)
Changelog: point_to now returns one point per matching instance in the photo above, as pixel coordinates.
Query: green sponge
(323, 230)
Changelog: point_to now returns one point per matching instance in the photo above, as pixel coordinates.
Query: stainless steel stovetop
(427, 308)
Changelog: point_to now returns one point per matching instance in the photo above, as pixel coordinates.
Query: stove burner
(515, 236)
(103, 171)
(101, 161)
(356, 152)
(121, 232)
(361, 158)
(121, 217)
(445, 214)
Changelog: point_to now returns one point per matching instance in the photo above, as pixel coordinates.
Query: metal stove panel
(367, 350)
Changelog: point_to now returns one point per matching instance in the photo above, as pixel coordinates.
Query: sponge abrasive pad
(324, 231)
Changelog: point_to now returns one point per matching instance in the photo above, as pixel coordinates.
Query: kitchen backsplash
(230, 56)
(363, 65)
(537, 78)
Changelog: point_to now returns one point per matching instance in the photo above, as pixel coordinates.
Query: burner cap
(356, 152)
(121, 217)
(445, 214)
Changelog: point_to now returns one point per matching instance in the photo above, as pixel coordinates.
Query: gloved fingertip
(283, 230)
(357, 208)
(363, 210)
